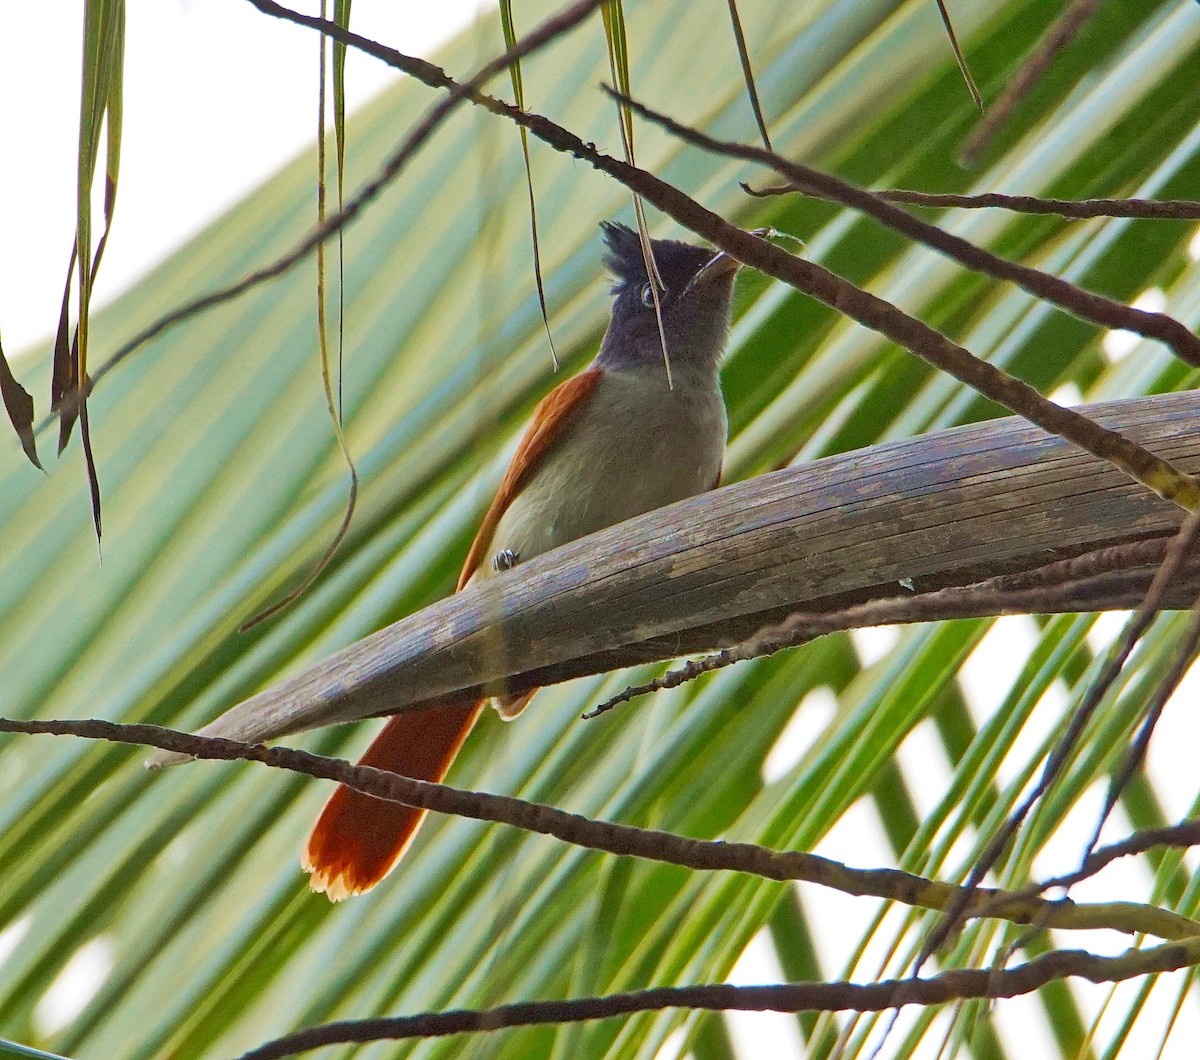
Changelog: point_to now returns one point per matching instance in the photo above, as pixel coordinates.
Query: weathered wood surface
(941, 509)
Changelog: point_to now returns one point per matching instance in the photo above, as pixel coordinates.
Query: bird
(619, 439)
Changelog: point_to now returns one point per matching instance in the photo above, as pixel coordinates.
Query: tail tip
(337, 882)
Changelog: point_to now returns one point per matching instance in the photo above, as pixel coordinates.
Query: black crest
(627, 264)
(624, 258)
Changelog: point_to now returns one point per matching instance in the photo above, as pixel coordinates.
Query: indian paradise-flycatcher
(610, 443)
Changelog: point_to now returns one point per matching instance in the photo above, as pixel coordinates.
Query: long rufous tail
(357, 839)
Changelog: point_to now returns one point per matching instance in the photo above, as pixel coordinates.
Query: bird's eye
(648, 296)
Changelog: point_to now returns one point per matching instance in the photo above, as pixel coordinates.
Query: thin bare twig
(1107, 579)
(1146, 209)
(1057, 37)
(650, 844)
(956, 985)
(1177, 836)
(1086, 305)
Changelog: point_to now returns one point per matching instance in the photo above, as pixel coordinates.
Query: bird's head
(694, 304)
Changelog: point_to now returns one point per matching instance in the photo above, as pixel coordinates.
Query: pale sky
(213, 105)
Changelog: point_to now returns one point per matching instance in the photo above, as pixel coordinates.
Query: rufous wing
(551, 414)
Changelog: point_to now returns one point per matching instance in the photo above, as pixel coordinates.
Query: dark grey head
(695, 304)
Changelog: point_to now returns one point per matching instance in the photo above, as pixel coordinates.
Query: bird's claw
(505, 559)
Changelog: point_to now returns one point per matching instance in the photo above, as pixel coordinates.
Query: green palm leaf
(222, 484)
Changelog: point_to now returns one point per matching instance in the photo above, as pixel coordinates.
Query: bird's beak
(721, 264)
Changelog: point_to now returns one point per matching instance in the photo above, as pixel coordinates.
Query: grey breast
(633, 446)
